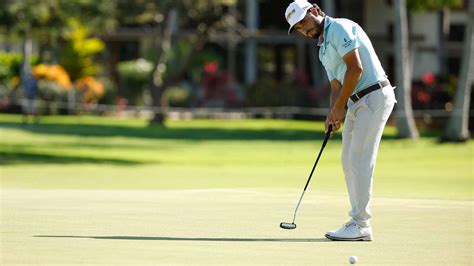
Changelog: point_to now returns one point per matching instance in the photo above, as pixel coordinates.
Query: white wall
(425, 54)
(377, 18)
(425, 28)
(458, 17)
(426, 24)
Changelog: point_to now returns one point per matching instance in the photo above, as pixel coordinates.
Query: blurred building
(259, 45)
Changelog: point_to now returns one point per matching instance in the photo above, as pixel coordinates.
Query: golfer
(357, 80)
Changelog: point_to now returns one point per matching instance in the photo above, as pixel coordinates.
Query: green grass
(111, 153)
(223, 227)
(108, 191)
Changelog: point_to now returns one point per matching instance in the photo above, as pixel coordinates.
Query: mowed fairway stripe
(223, 226)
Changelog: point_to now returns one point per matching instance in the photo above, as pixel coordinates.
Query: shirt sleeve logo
(347, 43)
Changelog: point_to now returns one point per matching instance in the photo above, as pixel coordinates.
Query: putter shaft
(326, 138)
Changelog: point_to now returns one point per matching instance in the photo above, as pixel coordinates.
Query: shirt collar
(327, 21)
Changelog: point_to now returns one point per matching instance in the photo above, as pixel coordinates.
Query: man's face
(309, 26)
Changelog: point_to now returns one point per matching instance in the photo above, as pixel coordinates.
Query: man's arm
(351, 78)
(335, 90)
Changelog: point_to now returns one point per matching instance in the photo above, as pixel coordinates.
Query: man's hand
(340, 93)
(335, 126)
(335, 117)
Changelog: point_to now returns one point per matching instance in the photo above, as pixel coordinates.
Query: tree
(50, 18)
(77, 54)
(457, 128)
(208, 15)
(25, 20)
(204, 16)
(405, 119)
(45, 21)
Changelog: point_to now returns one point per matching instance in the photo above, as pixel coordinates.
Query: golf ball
(353, 259)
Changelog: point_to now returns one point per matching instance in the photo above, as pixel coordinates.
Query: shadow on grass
(90, 130)
(188, 133)
(213, 239)
(11, 158)
(84, 144)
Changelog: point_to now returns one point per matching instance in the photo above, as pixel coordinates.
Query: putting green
(223, 226)
(110, 153)
(108, 191)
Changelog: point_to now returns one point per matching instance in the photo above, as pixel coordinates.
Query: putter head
(288, 225)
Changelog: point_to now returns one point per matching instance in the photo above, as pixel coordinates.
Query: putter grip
(328, 134)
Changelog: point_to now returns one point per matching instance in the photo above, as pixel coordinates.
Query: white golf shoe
(351, 231)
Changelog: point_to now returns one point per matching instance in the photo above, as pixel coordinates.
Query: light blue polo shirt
(340, 37)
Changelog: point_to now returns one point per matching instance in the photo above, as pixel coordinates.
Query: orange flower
(40, 71)
(91, 88)
(54, 73)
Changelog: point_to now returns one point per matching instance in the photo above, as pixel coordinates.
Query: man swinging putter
(357, 80)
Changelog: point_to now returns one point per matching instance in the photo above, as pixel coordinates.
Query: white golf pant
(363, 128)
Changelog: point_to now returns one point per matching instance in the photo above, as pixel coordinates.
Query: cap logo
(290, 14)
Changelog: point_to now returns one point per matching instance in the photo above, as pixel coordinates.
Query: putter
(293, 225)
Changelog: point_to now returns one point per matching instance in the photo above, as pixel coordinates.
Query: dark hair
(320, 11)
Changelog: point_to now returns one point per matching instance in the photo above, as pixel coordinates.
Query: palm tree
(404, 113)
(457, 128)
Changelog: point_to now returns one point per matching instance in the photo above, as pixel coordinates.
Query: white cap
(296, 11)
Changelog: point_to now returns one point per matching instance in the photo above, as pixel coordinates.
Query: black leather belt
(362, 93)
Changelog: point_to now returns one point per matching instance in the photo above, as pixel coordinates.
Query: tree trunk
(25, 71)
(404, 113)
(158, 76)
(457, 128)
(159, 114)
(27, 54)
(162, 80)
